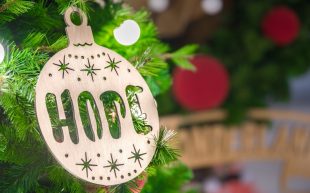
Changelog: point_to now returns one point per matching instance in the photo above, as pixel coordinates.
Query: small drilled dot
(66, 155)
(129, 174)
(104, 78)
(93, 178)
(100, 178)
(98, 155)
(148, 141)
(122, 176)
(135, 171)
(128, 70)
(121, 151)
(98, 55)
(108, 178)
(76, 57)
(70, 55)
(79, 79)
(103, 53)
(92, 57)
(50, 75)
(82, 57)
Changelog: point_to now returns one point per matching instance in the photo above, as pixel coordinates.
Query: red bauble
(281, 25)
(205, 88)
(140, 184)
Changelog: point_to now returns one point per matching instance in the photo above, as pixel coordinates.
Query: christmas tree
(33, 31)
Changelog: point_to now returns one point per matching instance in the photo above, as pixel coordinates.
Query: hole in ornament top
(76, 18)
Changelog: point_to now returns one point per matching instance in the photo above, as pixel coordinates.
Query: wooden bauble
(84, 66)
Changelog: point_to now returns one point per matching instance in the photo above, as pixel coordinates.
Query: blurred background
(243, 113)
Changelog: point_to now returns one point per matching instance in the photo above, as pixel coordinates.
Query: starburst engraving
(90, 69)
(114, 166)
(137, 155)
(112, 64)
(86, 163)
(63, 67)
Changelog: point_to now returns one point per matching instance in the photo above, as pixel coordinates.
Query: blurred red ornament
(281, 25)
(205, 88)
(140, 184)
(237, 187)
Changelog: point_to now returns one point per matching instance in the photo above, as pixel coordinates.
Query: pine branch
(21, 70)
(164, 154)
(128, 187)
(21, 114)
(148, 64)
(63, 5)
(36, 31)
(33, 39)
(13, 8)
(60, 179)
(20, 178)
(168, 179)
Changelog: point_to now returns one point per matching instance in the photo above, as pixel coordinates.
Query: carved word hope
(86, 104)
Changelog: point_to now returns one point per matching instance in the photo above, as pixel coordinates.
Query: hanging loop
(74, 9)
(78, 35)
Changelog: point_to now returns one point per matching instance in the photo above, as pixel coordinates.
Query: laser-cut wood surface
(86, 66)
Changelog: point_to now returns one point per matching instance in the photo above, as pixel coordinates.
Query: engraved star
(137, 155)
(113, 166)
(63, 66)
(90, 69)
(86, 164)
(112, 64)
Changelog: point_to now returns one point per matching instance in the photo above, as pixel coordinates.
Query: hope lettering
(87, 108)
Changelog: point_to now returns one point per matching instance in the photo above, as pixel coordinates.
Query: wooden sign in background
(205, 141)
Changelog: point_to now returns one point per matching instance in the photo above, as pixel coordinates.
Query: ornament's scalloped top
(79, 35)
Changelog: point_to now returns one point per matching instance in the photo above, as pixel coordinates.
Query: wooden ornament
(90, 136)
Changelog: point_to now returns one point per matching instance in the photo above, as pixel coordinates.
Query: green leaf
(184, 63)
(185, 51)
(181, 57)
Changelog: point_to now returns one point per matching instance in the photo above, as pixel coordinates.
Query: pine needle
(164, 154)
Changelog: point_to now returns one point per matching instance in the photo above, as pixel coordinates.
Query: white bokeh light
(212, 7)
(2, 53)
(158, 5)
(128, 33)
